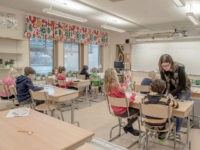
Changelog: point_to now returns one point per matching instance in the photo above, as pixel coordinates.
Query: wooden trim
(82, 53)
(55, 54)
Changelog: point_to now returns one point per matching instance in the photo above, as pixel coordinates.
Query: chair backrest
(2, 87)
(50, 81)
(95, 79)
(80, 76)
(156, 110)
(62, 83)
(39, 95)
(118, 102)
(141, 88)
(13, 90)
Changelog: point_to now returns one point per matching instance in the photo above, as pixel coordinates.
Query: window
(94, 56)
(72, 56)
(41, 55)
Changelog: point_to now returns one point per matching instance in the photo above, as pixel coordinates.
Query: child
(96, 82)
(62, 76)
(156, 97)
(114, 89)
(84, 71)
(151, 77)
(24, 84)
(8, 81)
(54, 73)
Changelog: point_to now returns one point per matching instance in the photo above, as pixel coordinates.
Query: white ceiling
(139, 15)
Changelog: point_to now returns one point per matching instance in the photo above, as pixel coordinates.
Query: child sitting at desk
(114, 89)
(62, 76)
(8, 81)
(24, 84)
(156, 97)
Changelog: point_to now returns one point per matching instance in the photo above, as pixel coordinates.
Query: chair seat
(45, 107)
(155, 128)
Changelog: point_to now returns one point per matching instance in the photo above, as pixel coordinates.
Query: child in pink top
(61, 76)
(8, 81)
(114, 89)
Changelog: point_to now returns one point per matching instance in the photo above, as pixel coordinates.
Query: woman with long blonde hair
(114, 89)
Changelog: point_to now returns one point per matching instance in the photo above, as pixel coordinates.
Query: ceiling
(135, 16)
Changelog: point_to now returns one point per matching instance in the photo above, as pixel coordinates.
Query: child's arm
(30, 85)
(122, 88)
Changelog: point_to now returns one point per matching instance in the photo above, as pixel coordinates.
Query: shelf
(18, 68)
(11, 53)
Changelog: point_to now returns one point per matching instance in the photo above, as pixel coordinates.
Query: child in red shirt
(114, 89)
(61, 76)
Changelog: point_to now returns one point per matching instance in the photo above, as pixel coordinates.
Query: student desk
(48, 133)
(183, 111)
(62, 95)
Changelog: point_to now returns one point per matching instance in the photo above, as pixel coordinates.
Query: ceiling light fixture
(193, 18)
(179, 3)
(112, 28)
(63, 15)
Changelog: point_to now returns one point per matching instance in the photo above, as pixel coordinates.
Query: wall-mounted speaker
(127, 41)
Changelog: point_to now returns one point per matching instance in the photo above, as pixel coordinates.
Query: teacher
(177, 82)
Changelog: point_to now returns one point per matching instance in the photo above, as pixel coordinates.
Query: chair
(141, 88)
(120, 102)
(82, 77)
(50, 81)
(47, 105)
(13, 91)
(157, 111)
(95, 89)
(62, 83)
(4, 89)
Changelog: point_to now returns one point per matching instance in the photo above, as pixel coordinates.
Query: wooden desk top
(48, 133)
(80, 83)
(60, 94)
(195, 94)
(182, 112)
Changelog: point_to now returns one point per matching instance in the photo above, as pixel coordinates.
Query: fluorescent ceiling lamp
(193, 18)
(112, 28)
(179, 3)
(63, 15)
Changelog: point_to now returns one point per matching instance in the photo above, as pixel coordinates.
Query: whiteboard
(145, 56)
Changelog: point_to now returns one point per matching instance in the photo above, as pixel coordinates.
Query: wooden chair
(48, 105)
(82, 77)
(120, 102)
(50, 81)
(62, 83)
(157, 111)
(141, 88)
(95, 89)
(13, 91)
(4, 89)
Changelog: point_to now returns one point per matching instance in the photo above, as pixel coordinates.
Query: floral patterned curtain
(47, 29)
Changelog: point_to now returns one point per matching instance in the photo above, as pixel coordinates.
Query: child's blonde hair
(110, 79)
(13, 73)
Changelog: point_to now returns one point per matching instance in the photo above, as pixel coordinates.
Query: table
(48, 133)
(62, 95)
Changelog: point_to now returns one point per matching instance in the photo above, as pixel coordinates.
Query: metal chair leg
(62, 117)
(119, 134)
(174, 137)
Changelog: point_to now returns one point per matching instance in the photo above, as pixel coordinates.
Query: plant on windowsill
(1, 63)
(43, 76)
(38, 76)
(12, 62)
(70, 74)
(7, 64)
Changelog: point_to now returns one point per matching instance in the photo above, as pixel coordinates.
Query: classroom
(99, 74)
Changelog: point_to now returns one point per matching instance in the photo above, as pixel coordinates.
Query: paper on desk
(18, 112)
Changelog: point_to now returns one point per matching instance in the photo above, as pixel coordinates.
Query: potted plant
(38, 76)
(43, 76)
(12, 61)
(7, 64)
(1, 63)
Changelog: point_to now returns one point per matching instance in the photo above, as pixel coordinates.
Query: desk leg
(188, 129)
(72, 115)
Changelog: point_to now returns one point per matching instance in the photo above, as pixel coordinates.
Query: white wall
(145, 56)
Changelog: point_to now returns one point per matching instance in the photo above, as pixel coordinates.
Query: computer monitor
(118, 65)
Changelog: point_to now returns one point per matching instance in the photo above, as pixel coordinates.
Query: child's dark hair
(85, 67)
(28, 71)
(158, 86)
(61, 69)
